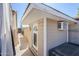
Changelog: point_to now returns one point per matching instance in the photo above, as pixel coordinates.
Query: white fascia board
(52, 11)
(27, 12)
(49, 10)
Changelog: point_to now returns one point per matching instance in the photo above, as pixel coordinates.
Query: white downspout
(45, 36)
(67, 32)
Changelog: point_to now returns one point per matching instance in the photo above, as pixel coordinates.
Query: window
(35, 39)
(60, 25)
(35, 36)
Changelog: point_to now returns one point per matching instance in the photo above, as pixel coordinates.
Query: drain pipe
(67, 32)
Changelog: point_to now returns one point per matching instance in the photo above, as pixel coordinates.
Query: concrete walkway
(23, 52)
(20, 49)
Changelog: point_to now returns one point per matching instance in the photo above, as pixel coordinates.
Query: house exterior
(14, 27)
(6, 45)
(45, 28)
(14, 30)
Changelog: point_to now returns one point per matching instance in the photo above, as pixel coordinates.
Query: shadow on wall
(14, 52)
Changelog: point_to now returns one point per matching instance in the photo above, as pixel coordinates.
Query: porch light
(25, 26)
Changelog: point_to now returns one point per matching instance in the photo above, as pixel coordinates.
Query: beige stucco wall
(15, 37)
(28, 37)
(33, 17)
(55, 37)
(14, 27)
(74, 33)
(40, 37)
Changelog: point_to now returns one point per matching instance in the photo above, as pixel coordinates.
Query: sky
(70, 9)
(19, 8)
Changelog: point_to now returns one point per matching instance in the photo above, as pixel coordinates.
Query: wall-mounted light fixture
(25, 26)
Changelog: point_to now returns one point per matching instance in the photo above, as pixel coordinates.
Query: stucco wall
(15, 37)
(55, 37)
(14, 27)
(28, 37)
(74, 33)
(40, 38)
(33, 17)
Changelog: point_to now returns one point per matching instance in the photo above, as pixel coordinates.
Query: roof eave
(68, 17)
